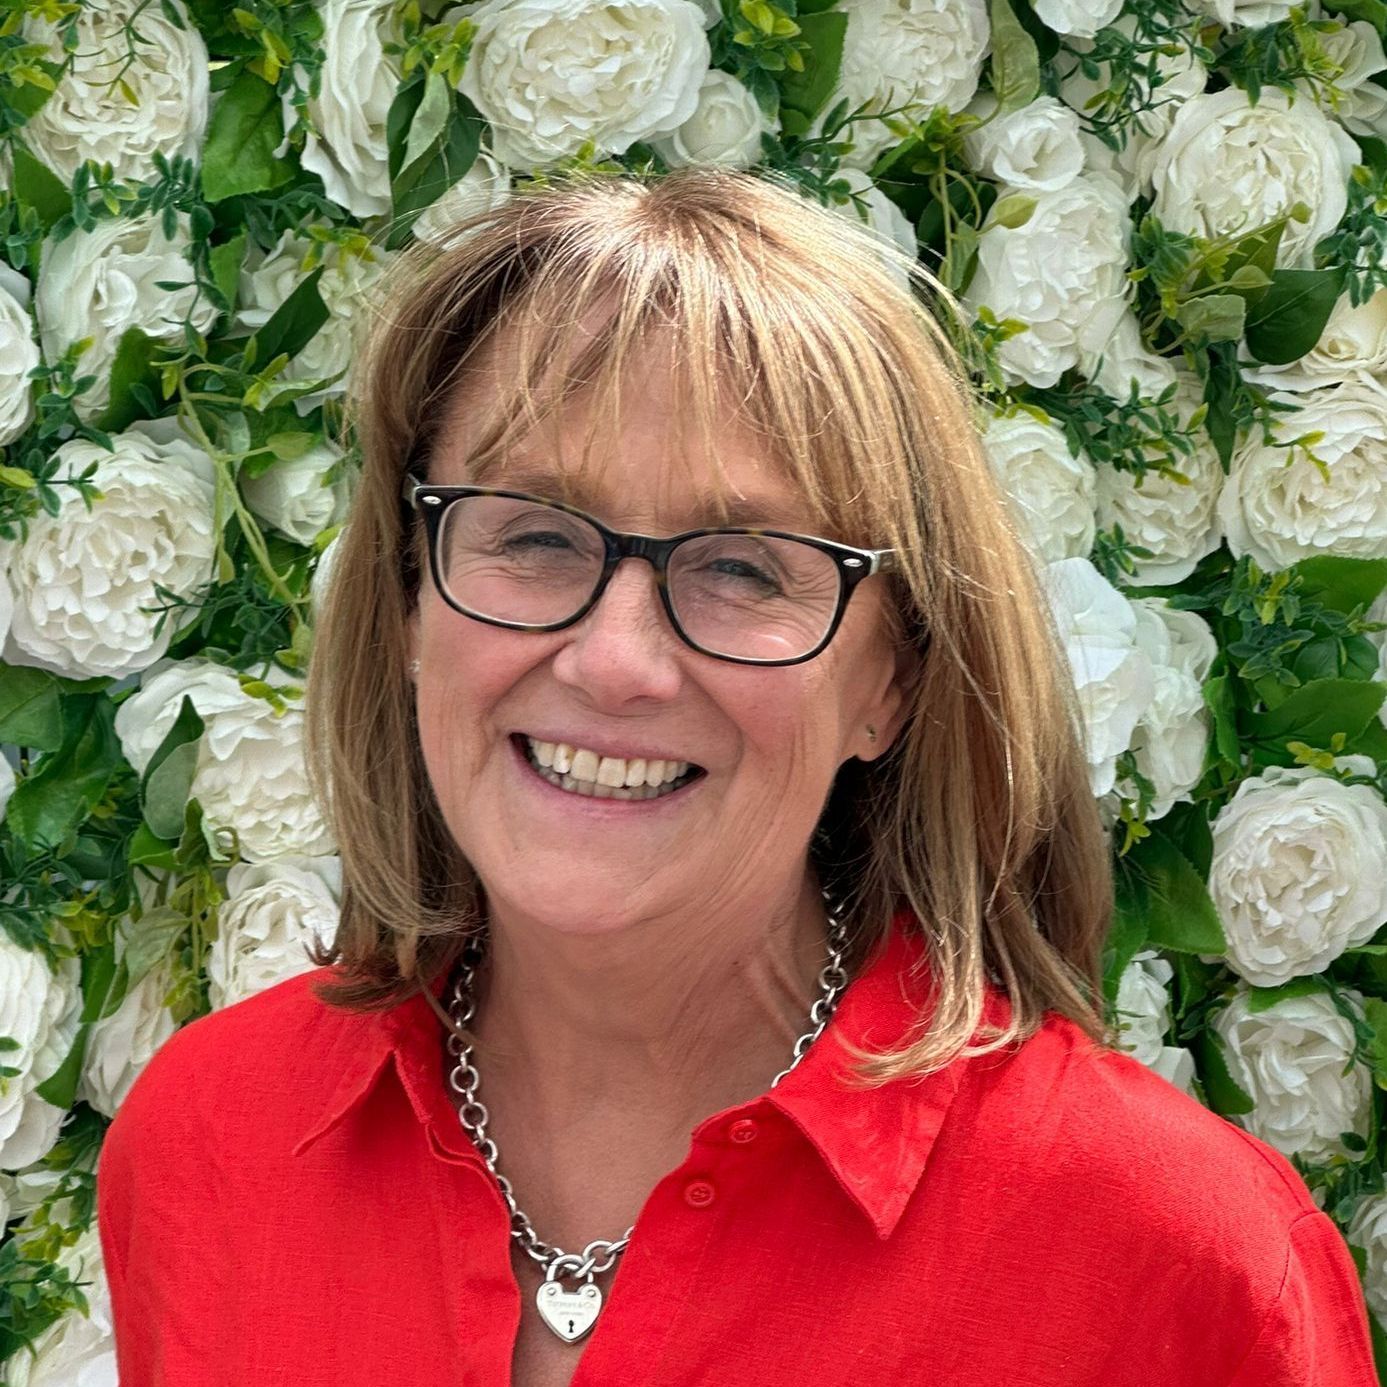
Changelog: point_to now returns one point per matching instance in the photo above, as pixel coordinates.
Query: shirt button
(699, 1194)
(743, 1131)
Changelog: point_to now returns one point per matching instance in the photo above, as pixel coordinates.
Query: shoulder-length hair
(979, 822)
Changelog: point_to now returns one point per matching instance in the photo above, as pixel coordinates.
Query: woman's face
(767, 742)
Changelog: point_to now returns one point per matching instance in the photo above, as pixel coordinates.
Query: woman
(701, 763)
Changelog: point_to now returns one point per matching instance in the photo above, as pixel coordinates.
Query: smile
(582, 772)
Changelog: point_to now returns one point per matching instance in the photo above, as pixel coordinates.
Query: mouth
(580, 771)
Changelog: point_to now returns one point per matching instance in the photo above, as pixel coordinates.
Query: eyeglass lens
(749, 596)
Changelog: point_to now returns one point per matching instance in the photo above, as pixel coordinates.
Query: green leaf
(146, 850)
(225, 263)
(1126, 938)
(430, 119)
(168, 778)
(1341, 583)
(1219, 317)
(60, 1088)
(1158, 888)
(1374, 11)
(103, 986)
(247, 127)
(35, 185)
(133, 366)
(428, 179)
(1220, 1088)
(1015, 60)
(1288, 319)
(1221, 386)
(807, 91)
(1260, 998)
(1375, 1012)
(68, 783)
(151, 939)
(292, 325)
(398, 120)
(30, 708)
(1314, 712)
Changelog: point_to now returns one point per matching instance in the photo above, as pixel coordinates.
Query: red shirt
(287, 1196)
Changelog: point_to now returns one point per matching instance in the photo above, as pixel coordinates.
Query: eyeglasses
(752, 596)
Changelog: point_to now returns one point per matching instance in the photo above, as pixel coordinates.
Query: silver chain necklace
(572, 1313)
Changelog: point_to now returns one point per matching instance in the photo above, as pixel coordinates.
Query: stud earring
(414, 666)
(871, 733)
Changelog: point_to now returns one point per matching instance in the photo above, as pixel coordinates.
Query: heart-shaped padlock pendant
(570, 1314)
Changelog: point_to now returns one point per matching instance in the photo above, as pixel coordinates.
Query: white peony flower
(99, 283)
(1228, 166)
(1247, 13)
(551, 74)
(251, 780)
(322, 572)
(268, 278)
(1368, 1229)
(1077, 18)
(144, 718)
(19, 354)
(1281, 507)
(1361, 104)
(1353, 343)
(725, 128)
(883, 217)
(272, 912)
(85, 580)
(1291, 1060)
(483, 188)
(1123, 361)
(40, 1008)
(1176, 520)
(346, 144)
(295, 497)
(1143, 1011)
(77, 1350)
(120, 1045)
(1036, 147)
(916, 54)
(1063, 272)
(1113, 678)
(1170, 739)
(1297, 870)
(137, 86)
(1050, 489)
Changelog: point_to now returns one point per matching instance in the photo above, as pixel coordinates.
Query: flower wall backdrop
(1167, 220)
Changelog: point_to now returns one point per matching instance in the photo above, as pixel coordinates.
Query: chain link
(601, 1254)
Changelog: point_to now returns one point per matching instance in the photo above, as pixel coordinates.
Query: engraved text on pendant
(570, 1314)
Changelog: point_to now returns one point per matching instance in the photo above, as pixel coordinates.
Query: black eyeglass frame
(853, 564)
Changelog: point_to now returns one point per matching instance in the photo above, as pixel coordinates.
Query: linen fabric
(287, 1196)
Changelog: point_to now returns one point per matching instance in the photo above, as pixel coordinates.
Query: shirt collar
(875, 1141)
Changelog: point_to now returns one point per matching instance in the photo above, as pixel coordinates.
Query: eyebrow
(745, 511)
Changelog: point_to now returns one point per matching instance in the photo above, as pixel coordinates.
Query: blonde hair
(979, 822)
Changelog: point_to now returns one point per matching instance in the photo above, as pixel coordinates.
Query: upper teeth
(613, 771)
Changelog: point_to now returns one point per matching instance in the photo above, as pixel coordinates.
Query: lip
(590, 804)
(596, 744)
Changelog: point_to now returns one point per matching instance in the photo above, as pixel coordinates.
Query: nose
(624, 649)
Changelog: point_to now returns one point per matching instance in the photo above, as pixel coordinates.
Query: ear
(885, 713)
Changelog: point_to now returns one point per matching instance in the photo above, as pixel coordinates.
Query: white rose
(1176, 520)
(1113, 679)
(273, 911)
(483, 188)
(1124, 361)
(144, 718)
(40, 1008)
(295, 497)
(251, 779)
(1290, 1060)
(322, 572)
(1077, 18)
(1063, 273)
(1359, 103)
(1035, 147)
(1050, 489)
(1173, 733)
(1297, 871)
(1143, 1010)
(1368, 1229)
(1247, 13)
(1353, 343)
(100, 283)
(1281, 508)
(19, 354)
(551, 74)
(85, 580)
(1227, 166)
(725, 128)
(77, 1350)
(882, 217)
(120, 1045)
(159, 105)
(268, 278)
(346, 144)
(916, 54)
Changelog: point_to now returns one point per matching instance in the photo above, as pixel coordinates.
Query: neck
(670, 1018)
